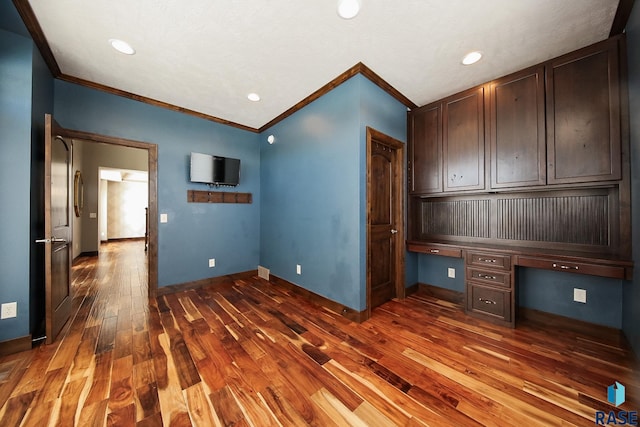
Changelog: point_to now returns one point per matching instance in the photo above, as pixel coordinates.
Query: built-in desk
(490, 280)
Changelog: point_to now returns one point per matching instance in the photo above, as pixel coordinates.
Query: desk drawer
(489, 260)
(490, 301)
(613, 271)
(489, 277)
(435, 250)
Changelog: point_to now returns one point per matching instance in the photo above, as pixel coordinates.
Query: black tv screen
(215, 170)
(231, 171)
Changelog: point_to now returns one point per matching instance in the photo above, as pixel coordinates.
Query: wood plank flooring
(247, 353)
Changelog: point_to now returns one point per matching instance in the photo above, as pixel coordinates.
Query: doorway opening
(122, 204)
(147, 178)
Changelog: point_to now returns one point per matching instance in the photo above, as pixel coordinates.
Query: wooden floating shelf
(196, 196)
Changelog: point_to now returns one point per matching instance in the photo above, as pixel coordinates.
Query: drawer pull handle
(435, 251)
(487, 260)
(486, 276)
(565, 267)
(486, 301)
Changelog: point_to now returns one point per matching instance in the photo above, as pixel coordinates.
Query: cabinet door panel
(425, 161)
(517, 130)
(463, 141)
(583, 116)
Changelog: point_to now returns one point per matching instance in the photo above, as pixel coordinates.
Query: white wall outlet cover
(9, 310)
(164, 218)
(451, 273)
(580, 295)
(212, 262)
(298, 269)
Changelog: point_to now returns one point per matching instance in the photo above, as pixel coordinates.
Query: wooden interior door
(58, 226)
(385, 225)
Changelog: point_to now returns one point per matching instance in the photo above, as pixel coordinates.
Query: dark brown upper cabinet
(517, 129)
(583, 115)
(425, 150)
(463, 140)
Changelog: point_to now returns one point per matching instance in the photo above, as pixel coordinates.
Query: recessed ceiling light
(471, 58)
(122, 46)
(253, 97)
(348, 9)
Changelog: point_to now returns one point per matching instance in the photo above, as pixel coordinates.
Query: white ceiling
(207, 55)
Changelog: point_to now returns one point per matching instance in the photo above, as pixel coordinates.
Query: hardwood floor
(251, 354)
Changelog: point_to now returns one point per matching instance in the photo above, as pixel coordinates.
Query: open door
(57, 224)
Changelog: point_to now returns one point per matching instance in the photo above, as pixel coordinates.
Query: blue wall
(313, 189)
(552, 291)
(194, 232)
(15, 178)
(631, 313)
(432, 270)
(10, 19)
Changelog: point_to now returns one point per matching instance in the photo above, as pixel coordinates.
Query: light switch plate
(164, 218)
(451, 273)
(298, 269)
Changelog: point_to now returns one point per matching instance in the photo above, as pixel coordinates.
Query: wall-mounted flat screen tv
(215, 170)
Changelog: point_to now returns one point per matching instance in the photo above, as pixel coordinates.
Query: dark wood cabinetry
(517, 130)
(435, 249)
(583, 115)
(489, 284)
(554, 124)
(425, 152)
(606, 269)
(554, 142)
(463, 141)
(528, 170)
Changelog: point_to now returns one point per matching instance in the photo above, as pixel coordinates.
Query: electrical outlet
(9, 310)
(212, 262)
(580, 295)
(298, 269)
(451, 273)
(164, 218)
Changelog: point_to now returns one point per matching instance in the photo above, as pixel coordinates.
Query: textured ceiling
(207, 55)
